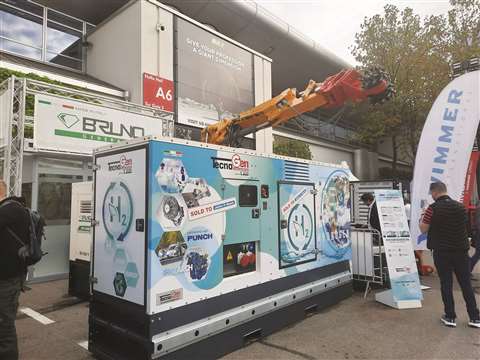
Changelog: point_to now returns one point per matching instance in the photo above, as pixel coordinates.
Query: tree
(464, 29)
(417, 54)
(294, 148)
(412, 52)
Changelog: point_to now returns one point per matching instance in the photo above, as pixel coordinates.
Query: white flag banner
(445, 146)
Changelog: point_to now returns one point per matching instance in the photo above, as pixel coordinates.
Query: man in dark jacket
(373, 220)
(445, 221)
(13, 216)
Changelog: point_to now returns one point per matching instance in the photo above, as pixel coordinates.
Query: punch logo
(123, 165)
(68, 120)
(199, 235)
(236, 163)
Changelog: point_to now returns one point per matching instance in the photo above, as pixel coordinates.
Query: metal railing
(40, 30)
(17, 94)
(368, 257)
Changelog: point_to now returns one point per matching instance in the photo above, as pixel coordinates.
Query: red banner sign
(470, 178)
(158, 92)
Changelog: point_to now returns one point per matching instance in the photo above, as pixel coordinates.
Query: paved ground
(353, 329)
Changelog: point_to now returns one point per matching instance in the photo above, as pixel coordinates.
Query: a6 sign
(158, 92)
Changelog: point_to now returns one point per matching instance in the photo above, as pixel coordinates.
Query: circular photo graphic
(335, 208)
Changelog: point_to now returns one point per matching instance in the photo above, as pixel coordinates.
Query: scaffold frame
(14, 93)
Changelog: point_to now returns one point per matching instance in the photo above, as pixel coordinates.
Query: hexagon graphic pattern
(131, 274)
(120, 260)
(119, 284)
(171, 175)
(171, 212)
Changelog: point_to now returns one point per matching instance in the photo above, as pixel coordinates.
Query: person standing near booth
(14, 219)
(445, 222)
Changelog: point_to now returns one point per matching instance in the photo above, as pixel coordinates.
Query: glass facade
(35, 32)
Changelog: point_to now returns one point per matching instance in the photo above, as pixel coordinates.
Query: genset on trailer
(199, 248)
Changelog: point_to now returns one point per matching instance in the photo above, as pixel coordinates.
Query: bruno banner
(445, 146)
(69, 125)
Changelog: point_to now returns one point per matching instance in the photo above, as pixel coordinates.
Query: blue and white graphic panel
(119, 236)
(297, 223)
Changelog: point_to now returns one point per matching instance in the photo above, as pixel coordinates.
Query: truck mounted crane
(348, 85)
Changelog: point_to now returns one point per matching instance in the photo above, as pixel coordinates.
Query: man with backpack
(15, 224)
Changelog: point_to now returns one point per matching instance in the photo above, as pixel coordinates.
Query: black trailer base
(107, 341)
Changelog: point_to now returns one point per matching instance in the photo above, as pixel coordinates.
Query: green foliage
(30, 99)
(463, 40)
(294, 148)
(417, 53)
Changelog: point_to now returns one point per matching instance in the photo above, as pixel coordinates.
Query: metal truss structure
(16, 92)
(12, 123)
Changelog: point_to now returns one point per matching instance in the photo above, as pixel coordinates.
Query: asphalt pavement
(355, 328)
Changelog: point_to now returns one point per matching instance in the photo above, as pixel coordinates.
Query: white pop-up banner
(445, 146)
(405, 289)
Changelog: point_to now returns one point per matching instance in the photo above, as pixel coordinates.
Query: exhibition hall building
(83, 74)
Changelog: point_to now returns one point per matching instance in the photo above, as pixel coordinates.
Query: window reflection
(64, 46)
(54, 197)
(21, 32)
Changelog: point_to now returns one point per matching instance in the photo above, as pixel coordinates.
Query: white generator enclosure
(199, 248)
(80, 239)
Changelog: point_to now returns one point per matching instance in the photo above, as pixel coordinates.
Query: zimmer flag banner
(445, 146)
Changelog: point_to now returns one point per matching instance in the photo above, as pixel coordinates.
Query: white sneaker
(448, 321)
(474, 323)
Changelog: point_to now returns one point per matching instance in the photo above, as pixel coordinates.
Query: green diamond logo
(68, 119)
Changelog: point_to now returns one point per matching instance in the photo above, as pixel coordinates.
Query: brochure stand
(386, 297)
(405, 292)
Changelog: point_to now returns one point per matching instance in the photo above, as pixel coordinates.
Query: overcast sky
(333, 23)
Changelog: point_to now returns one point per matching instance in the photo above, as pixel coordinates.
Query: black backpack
(31, 253)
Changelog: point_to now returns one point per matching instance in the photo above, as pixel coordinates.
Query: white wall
(157, 41)
(27, 169)
(114, 54)
(263, 91)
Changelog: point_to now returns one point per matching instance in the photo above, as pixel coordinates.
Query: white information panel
(402, 268)
(119, 236)
(81, 218)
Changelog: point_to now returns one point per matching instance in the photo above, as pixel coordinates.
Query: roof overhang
(296, 58)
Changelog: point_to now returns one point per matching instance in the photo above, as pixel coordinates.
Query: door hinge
(95, 167)
(94, 222)
(314, 192)
(93, 280)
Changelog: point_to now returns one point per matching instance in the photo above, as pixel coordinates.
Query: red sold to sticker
(158, 92)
